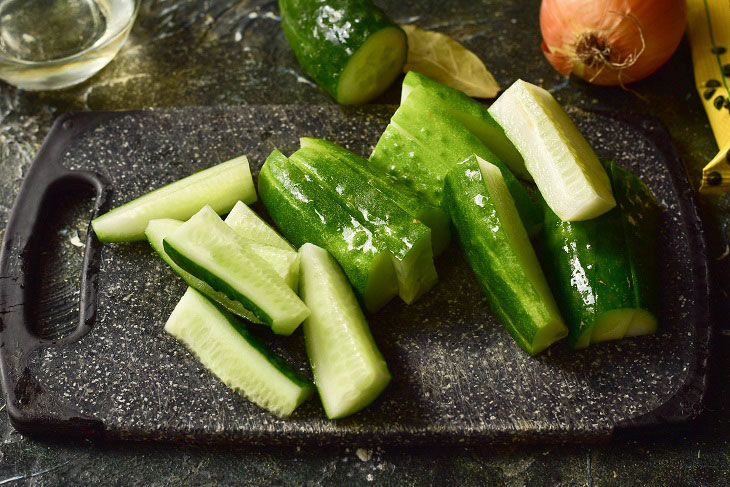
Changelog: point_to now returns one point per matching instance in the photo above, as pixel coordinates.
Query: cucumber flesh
(473, 115)
(373, 67)
(349, 370)
(220, 187)
(244, 221)
(284, 262)
(561, 161)
(228, 349)
(496, 245)
(432, 216)
(408, 242)
(307, 213)
(156, 231)
(210, 250)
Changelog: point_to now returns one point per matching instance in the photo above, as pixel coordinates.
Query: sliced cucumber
(248, 224)
(220, 187)
(603, 270)
(474, 115)
(349, 47)
(562, 162)
(242, 362)
(348, 368)
(156, 231)
(432, 216)
(408, 242)
(306, 213)
(424, 141)
(210, 250)
(497, 247)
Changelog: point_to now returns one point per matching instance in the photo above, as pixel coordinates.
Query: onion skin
(570, 27)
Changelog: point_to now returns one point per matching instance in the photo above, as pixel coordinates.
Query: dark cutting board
(106, 367)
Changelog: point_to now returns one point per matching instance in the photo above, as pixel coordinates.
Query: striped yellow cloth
(708, 29)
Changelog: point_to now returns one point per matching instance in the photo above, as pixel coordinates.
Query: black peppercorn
(714, 178)
(718, 50)
(708, 93)
(718, 101)
(713, 83)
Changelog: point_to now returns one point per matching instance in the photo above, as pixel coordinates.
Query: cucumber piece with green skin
(562, 163)
(408, 242)
(473, 115)
(226, 347)
(497, 247)
(603, 270)
(349, 47)
(248, 224)
(210, 250)
(432, 216)
(156, 231)
(423, 142)
(349, 370)
(220, 187)
(307, 213)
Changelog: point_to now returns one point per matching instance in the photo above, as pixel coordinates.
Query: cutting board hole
(54, 270)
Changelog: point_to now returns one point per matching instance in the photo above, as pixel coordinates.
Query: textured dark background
(195, 52)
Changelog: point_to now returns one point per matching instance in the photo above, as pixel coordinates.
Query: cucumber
(408, 242)
(431, 216)
(349, 370)
(156, 231)
(423, 142)
(209, 249)
(242, 362)
(473, 115)
(562, 162)
(306, 213)
(220, 187)
(349, 47)
(603, 270)
(244, 221)
(497, 247)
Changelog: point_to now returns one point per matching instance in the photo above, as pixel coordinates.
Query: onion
(611, 42)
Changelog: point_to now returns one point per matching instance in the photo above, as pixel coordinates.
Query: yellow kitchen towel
(708, 29)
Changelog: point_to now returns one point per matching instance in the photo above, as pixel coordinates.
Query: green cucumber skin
(432, 216)
(487, 248)
(409, 242)
(155, 237)
(473, 115)
(640, 220)
(372, 208)
(220, 285)
(316, 30)
(589, 264)
(306, 213)
(433, 144)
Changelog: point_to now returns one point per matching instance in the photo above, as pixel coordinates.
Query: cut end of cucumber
(373, 67)
(416, 273)
(248, 224)
(617, 324)
(382, 283)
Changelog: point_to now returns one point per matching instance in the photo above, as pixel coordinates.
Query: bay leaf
(446, 60)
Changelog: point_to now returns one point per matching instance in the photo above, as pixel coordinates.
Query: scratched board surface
(457, 375)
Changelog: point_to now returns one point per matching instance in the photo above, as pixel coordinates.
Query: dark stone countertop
(232, 52)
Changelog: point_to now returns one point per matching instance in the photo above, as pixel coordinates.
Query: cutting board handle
(20, 245)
